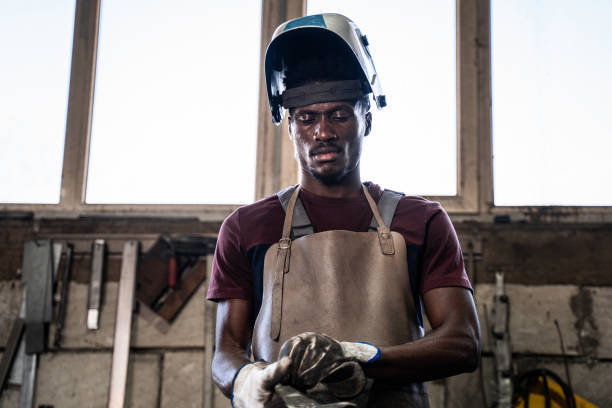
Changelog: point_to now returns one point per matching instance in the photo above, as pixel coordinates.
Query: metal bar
(95, 285)
(26, 398)
(37, 278)
(210, 313)
(123, 325)
(10, 351)
(61, 313)
(16, 377)
(503, 356)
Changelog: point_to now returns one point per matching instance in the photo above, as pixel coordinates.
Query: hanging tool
(10, 351)
(38, 271)
(501, 335)
(123, 325)
(37, 276)
(63, 301)
(94, 302)
(170, 272)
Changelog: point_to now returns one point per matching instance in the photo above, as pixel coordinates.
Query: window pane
(552, 121)
(36, 44)
(412, 147)
(175, 108)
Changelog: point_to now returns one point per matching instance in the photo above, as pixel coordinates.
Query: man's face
(328, 137)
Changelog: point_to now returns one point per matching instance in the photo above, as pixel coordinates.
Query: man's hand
(318, 359)
(254, 383)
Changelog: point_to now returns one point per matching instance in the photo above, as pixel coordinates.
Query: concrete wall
(553, 273)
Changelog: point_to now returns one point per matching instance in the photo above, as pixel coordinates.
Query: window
(552, 122)
(412, 147)
(175, 105)
(36, 44)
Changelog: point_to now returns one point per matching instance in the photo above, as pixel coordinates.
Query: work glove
(254, 383)
(332, 366)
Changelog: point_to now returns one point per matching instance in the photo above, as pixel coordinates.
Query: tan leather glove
(254, 383)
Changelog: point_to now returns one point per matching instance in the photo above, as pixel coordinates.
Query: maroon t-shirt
(434, 255)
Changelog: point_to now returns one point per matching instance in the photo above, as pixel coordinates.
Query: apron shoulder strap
(386, 206)
(300, 225)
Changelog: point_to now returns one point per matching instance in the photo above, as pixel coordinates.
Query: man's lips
(325, 154)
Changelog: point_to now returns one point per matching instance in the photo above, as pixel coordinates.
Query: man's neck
(347, 187)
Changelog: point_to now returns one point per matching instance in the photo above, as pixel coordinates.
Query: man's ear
(368, 123)
(290, 127)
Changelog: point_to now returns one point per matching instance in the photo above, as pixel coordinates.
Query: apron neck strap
(374, 207)
(289, 213)
(294, 197)
(384, 234)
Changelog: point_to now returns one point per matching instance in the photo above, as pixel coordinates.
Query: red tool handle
(172, 272)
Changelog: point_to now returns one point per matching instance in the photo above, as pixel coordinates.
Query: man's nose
(324, 131)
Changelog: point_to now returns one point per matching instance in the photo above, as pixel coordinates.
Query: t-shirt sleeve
(231, 272)
(442, 258)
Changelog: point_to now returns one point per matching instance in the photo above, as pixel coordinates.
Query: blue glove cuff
(377, 351)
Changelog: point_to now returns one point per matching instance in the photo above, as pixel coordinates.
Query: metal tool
(10, 351)
(63, 301)
(503, 356)
(123, 325)
(170, 271)
(38, 271)
(37, 276)
(26, 397)
(16, 377)
(94, 302)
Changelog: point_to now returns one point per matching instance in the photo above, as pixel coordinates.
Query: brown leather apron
(352, 286)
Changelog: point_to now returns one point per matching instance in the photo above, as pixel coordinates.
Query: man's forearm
(441, 353)
(225, 365)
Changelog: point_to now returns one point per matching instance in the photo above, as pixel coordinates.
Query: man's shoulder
(409, 205)
(256, 223)
(419, 204)
(263, 208)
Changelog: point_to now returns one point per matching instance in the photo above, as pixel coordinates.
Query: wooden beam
(80, 103)
(485, 129)
(276, 166)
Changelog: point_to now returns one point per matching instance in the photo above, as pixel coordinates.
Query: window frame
(473, 176)
(275, 163)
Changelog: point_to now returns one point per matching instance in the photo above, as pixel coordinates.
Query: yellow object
(537, 397)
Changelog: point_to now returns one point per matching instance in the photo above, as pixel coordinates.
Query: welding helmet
(294, 39)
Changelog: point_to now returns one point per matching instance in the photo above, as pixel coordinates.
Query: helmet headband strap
(330, 91)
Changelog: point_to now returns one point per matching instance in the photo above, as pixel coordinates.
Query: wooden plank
(123, 326)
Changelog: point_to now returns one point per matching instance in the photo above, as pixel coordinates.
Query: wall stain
(588, 332)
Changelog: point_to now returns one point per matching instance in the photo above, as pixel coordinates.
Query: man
(324, 282)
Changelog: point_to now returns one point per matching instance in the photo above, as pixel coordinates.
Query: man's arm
(452, 347)
(248, 385)
(233, 335)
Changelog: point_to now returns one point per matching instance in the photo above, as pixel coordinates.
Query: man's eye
(340, 118)
(305, 118)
